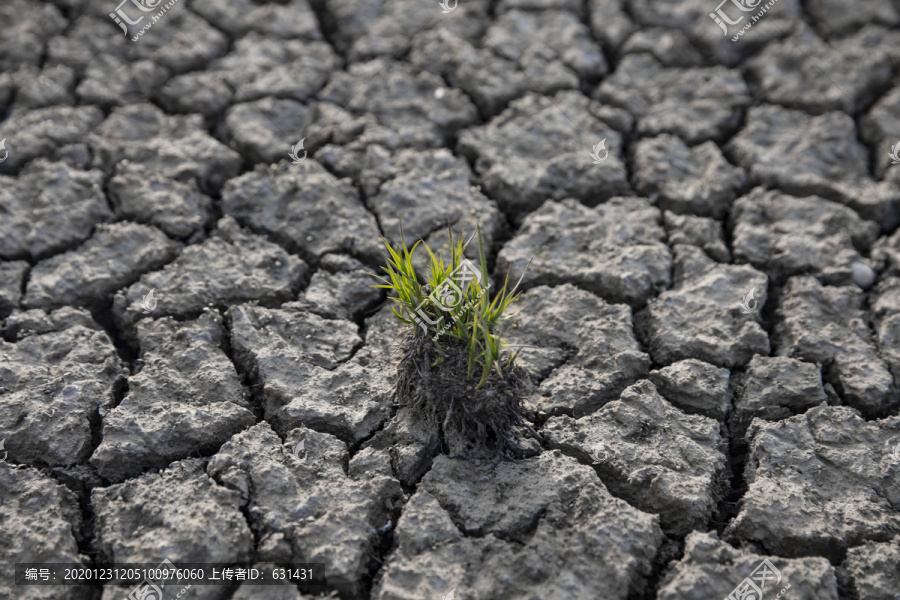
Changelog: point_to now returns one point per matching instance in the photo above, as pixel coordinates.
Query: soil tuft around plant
(445, 397)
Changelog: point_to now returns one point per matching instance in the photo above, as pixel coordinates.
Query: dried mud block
(543, 525)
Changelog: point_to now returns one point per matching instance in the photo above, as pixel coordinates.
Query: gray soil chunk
(706, 234)
(885, 309)
(819, 482)
(310, 372)
(351, 144)
(711, 568)
(49, 208)
(82, 44)
(293, 19)
(544, 42)
(410, 445)
(402, 100)
(369, 462)
(672, 48)
(364, 30)
(425, 192)
(22, 324)
(26, 27)
(338, 292)
(180, 41)
(266, 130)
(267, 340)
(616, 250)
(695, 104)
(301, 496)
(204, 92)
(230, 267)
(695, 387)
(53, 379)
(12, 275)
(37, 133)
(610, 22)
(827, 325)
(874, 570)
(180, 514)
(114, 257)
(570, 5)
(813, 155)
(543, 527)
(581, 349)
(886, 254)
(715, 41)
(650, 454)
(774, 388)
(520, 52)
(7, 89)
(856, 75)
(257, 67)
(77, 156)
(38, 88)
(880, 39)
(38, 521)
(784, 236)
(833, 17)
(304, 209)
(880, 128)
(140, 194)
(520, 170)
(701, 316)
(185, 398)
(177, 147)
(694, 180)
(109, 82)
(350, 402)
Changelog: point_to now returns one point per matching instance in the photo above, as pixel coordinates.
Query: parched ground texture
(711, 315)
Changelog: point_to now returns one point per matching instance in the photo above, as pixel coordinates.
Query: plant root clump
(444, 397)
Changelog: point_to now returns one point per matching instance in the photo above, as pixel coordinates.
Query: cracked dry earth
(682, 440)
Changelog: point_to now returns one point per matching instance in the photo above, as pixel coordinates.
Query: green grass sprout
(471, 318)
(455, 370)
